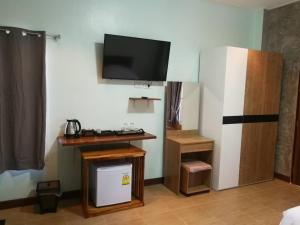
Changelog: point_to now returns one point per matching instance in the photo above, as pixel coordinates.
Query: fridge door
(113, 185)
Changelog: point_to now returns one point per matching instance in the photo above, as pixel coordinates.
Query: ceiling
(266, 4)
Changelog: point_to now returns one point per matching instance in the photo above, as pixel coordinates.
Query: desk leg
(85, 186)
(141, 178)
(172, 165)
(138, 178)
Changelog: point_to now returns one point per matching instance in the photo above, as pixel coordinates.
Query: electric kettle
(72, 129)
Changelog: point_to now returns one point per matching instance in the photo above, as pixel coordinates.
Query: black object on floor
(2, 222)
(48, 194)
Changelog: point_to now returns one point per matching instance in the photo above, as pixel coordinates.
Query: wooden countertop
(120, 151)
(95, 140)
(187, 137)
(190, 140)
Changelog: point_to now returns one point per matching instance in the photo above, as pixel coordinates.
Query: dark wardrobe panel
(263, 83)
(257, 152)
(262, 98)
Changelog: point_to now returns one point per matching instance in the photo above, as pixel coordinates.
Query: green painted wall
(257, 31)
(74, 89)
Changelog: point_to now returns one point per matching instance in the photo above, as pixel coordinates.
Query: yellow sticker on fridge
(125, 180)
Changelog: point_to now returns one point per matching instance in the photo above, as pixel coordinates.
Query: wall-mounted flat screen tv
(130, 58)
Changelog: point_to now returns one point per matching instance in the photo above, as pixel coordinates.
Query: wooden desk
(96, 140)
(178, 147)
(109, 149)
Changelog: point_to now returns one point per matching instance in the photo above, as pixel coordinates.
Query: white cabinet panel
(212, 78)
(222, 78)
(235, 81)
(230, 156)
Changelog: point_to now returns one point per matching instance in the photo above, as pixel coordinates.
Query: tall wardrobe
(239, 107)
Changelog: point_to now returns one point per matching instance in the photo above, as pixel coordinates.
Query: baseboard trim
(66, 195)
(18, 203)
(154, 181)
(71, 194)
(282, 177)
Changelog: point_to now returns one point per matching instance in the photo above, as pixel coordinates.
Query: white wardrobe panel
(212, 71)
(211, 127)
(235, 81)
(230, 156)
(211, 79)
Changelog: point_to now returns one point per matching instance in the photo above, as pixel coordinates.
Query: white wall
(73, 86)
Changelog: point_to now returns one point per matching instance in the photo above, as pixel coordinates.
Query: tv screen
(130, 58)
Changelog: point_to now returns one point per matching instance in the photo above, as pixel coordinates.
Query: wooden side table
(109, 148)
(112, 153)
(183, 146)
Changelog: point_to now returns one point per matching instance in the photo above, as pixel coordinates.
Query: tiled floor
(260, 204)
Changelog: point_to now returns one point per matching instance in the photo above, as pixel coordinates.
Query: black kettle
(72, 129)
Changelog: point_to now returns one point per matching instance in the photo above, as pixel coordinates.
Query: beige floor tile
(259, 204)
(121, 217)
(153, 207)
(164, 219)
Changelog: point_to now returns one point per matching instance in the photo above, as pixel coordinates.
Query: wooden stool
(195, 177)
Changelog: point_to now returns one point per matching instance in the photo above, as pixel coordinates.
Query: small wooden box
(194, 182)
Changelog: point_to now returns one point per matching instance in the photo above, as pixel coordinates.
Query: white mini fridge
(111, 184)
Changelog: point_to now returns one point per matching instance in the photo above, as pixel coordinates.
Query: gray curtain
(22, 99)
(173, 102)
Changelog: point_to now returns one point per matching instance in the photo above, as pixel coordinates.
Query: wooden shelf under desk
(119, 151)
(108, 152)
(197, 189)
(94, 211)
(108, 148)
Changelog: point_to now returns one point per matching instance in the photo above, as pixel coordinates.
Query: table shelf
(197, 189)
(108, 148)
(144, 99)
(95, 211)
(117, 152)
(182, 147)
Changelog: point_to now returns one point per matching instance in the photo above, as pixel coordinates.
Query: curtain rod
(24, 33)
(55, 37)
